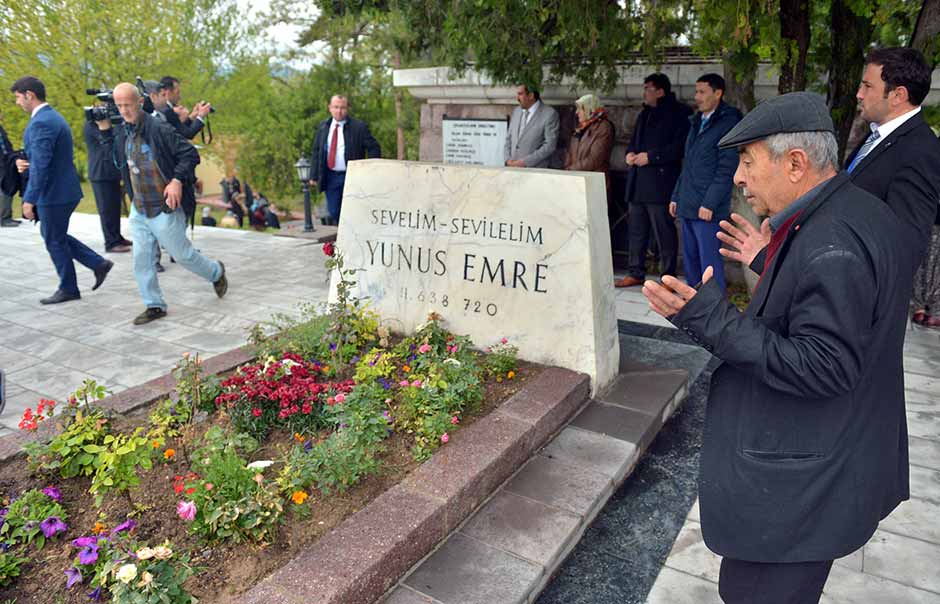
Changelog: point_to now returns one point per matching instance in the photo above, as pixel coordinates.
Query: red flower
(328, 248)
(256, 412)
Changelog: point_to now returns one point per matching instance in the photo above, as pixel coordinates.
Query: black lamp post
(303, 173)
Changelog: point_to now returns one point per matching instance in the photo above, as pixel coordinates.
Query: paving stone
(925, 484)
(694, 512)
(615, 421)
(923, 366)
(526, 528)
(562, 485)
(854, 561)
(846, 586)
(609, 456)
(13, 360)
(904, 560)
(54, 381)
(467, 571)
(916, 518)
(404, 595)
(690, 555)
(928, 384)
(647, 392)
(676, 587)
(924, 424)
(924, 452)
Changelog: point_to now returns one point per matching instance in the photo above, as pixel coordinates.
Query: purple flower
(88, 555)
(85, 541)
(52, 525)
(74, 576)
(127, 525)
(387, 416)
(332, 346)
(308, 445)
(95, 596)
(384, 383)
(53, 493)
(354, 360)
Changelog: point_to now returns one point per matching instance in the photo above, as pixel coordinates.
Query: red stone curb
(135, 398)
(358, 561)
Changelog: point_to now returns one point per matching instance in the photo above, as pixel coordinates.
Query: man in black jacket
(106, 183)
(7, 171)
(157, 164)
(897, 163)
(654, 157)
(801, 456)
(339, 140)
(187, 123)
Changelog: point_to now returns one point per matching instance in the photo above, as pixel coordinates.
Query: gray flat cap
(791, 112)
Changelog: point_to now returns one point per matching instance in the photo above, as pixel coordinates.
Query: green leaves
(117, 461)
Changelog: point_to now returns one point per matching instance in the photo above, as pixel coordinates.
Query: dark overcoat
(357, 137)
(805, 445)
(661, 133)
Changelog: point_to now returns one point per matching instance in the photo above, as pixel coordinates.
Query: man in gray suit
(533, 132)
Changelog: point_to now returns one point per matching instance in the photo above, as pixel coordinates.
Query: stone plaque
(475, 142)
(497, 252)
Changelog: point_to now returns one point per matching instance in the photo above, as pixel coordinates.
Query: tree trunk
(399, 129)
(851, 35)
(794, 31)
(926, 36)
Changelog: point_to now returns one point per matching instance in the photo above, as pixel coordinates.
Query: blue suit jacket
(53, 179)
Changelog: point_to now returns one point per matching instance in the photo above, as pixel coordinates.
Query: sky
(282, 37)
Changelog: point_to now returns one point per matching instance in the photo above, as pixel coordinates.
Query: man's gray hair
(820, 147)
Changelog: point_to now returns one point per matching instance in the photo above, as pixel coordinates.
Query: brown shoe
(119, 249)
(628, 281)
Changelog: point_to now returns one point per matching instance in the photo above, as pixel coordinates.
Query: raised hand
(745, 240)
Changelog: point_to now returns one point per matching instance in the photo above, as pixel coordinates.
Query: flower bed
(228, 482)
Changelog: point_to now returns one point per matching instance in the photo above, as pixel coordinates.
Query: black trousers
(6, 206)
(646, 217)
(108, 199)
(742, 582)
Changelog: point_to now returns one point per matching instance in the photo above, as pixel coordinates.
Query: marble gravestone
(497, 252)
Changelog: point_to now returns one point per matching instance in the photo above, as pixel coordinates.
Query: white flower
(162, 552)
(145, 579)
(259, 465)
(126, 573)
(452, 362)
(145, 553)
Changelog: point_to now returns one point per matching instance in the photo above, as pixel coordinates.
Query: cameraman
(187, 123)
(106, 183)
(157, 166)
(8, 177)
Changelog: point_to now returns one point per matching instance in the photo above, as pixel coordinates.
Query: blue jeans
(700, 247)
(62, 247)
(169, 230)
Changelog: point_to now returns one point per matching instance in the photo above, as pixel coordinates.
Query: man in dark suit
(53, 189)
(897, 163)
(654, 160)
(187, 123)
(801, 457)
(339, 140)
(6, 189)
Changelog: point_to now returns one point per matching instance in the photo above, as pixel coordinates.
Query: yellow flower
(168, 454)
(511, 374)
(126, 573)
(499, 379)
(298, 437)
(299, 497)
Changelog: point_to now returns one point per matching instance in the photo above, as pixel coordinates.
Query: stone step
(507, 551)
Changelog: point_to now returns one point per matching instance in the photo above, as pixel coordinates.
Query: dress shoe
(628, 281)
(101, 272)
(60, 296)
(920, 317)
(159, 267)
(151, 314)
(221, 285)
(9, 222)
(119, 249)
(126, 242)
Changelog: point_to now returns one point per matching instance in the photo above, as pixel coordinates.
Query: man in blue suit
(52, 192)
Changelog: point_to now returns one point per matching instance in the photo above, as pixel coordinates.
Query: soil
(224, 571)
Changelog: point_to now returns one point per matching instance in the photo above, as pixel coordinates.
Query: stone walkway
(48, 351)
(901, 563)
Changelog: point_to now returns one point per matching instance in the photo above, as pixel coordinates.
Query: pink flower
(256, 412)
(416, 383)
(504, 341)
(403, 383)
(340, 397)
(444, 437)
(186, 510)
(424, 348)
(454, 420)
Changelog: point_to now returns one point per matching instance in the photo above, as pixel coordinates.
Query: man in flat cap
(801, 456)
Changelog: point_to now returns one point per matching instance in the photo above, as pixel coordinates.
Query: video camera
(109, 111)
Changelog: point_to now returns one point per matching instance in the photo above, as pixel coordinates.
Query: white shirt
(37, 108)
(340, 165)
(890, 126)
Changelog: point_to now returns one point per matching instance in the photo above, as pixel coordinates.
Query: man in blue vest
(53, 191)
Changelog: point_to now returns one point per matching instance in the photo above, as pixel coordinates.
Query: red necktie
(331, 158)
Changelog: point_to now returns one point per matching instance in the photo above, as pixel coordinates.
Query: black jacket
(904, 172)
(187, 129)
(805, 444)
(10, 181)
(100, 157)
(176, 156)
(359, 142)
(661, 132)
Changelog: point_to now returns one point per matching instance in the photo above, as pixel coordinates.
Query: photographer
(157, 167)
(7, 173)
(106, 183)
(187, 123)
